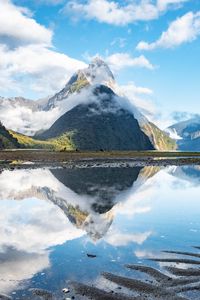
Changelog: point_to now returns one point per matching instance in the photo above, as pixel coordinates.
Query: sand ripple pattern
(176, 278)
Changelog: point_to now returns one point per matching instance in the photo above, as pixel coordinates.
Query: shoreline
(98, 163)
(23, 159)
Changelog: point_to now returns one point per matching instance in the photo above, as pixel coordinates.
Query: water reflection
(44, 208)
(188, 173)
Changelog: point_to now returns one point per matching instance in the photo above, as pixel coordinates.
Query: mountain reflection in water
(44, 210)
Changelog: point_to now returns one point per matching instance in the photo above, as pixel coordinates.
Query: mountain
(188, 133)
(18, 101)
(88, 199)
(6, 139)
(14, 102)
(100, 125)
(187, 173)
(103, 188)
(89, 113)
(99, 118)
(97, 73)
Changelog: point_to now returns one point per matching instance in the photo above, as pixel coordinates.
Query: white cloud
(140, 97)
(118, 61)
(16, 23)
(163, 4)
(26, 120)
(26, 238)
(14, 268)
(22, 184)
(120, 42)
(112, 12)
(46, 71)
(41, 70)
(131, 88)
(117, 238)
(47, 226)
(29, 63)
(182, 30)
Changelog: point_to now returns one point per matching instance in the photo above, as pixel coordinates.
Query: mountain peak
(98, 62)
(98, 72)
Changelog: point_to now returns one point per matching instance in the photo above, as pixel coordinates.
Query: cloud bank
(118, 61)
(42, 69)
(183, 30)
(17, 24)
(112, 12)
(141, 97)
(29, 63)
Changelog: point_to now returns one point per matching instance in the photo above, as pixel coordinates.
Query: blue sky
(168, 67)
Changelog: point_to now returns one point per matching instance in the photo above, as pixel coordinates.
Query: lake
(59, 226)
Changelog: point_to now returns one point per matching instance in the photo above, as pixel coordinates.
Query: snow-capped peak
(98, 72)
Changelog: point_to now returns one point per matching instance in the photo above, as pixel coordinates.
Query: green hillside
(60, 143)
(159, 138)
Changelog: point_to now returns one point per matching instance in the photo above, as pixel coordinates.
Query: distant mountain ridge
(24, 102)
(189, 134)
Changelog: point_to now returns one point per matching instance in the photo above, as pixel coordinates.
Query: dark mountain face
(189, 132)
(103, 185)
(100, 124)
(6, 139)
(102, 119)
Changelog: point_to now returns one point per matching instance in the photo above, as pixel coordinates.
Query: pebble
(91, 255)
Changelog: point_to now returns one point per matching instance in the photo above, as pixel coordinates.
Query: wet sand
(172, 282)
(167, 282)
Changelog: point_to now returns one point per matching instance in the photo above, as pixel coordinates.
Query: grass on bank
(63, 142)
(97, 154)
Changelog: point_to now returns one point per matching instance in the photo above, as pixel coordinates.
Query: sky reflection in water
(51, 219)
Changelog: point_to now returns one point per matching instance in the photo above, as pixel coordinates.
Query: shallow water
(51, 219)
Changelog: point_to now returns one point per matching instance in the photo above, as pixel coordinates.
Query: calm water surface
(50, 219)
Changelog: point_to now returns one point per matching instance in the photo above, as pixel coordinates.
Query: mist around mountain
(86, 198)
(100, 118)
(188, 134)
(89, 113)
(102, 124)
